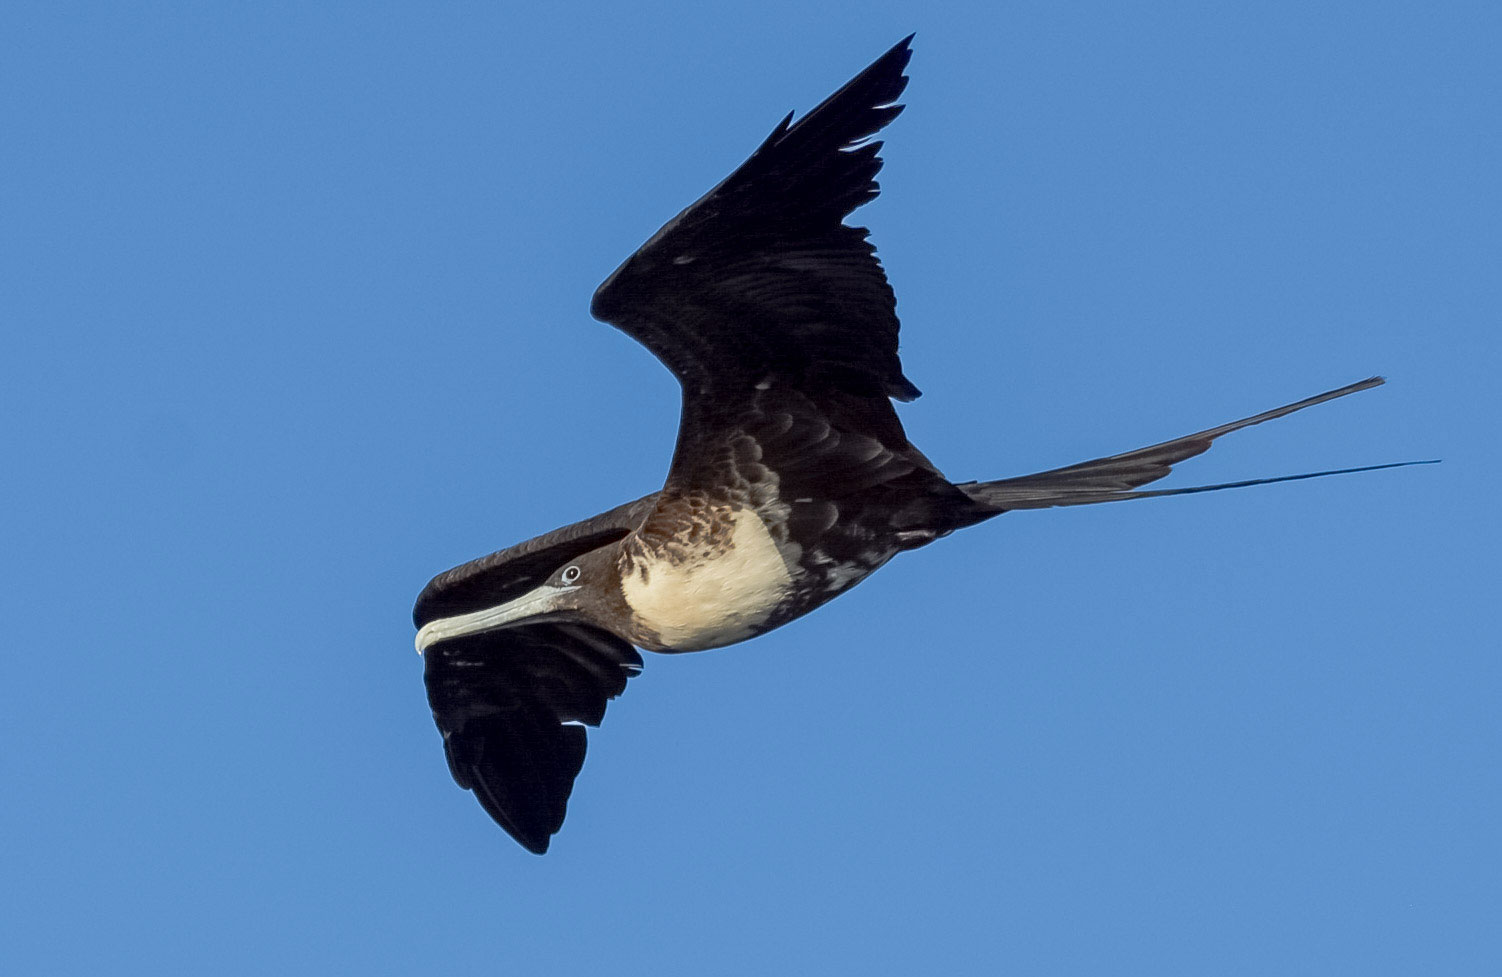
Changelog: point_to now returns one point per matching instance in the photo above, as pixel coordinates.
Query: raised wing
(508, 704)
(761, 276)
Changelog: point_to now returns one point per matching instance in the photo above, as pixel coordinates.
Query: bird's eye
(569, 575)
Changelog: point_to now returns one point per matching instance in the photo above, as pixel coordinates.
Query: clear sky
(294, 304)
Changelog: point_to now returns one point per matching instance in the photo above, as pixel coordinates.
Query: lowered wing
(509, 704)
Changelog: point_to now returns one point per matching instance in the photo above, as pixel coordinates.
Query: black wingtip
(535, 837)
(902, 48)
(536, 844)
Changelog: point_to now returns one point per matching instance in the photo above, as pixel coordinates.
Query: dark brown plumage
(791, 481)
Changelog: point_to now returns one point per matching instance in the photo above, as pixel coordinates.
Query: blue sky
(295, 315)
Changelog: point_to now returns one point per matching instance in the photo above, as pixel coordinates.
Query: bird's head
(578, 587)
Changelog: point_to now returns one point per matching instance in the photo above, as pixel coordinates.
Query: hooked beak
(545, 600)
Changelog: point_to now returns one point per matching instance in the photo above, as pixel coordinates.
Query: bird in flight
(791, 480)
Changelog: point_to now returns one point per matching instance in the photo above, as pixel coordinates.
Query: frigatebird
(791, 481)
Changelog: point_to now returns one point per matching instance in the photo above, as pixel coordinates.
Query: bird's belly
(691, 599)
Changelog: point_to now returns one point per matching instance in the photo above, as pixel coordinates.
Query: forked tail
(1117, 478)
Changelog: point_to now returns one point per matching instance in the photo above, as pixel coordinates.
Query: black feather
(501, 699)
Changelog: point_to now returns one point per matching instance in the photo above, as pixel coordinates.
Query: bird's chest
(701, 578)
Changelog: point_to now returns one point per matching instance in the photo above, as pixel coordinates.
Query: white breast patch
(715, 598)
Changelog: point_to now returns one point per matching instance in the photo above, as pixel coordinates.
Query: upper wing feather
(761, 276)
